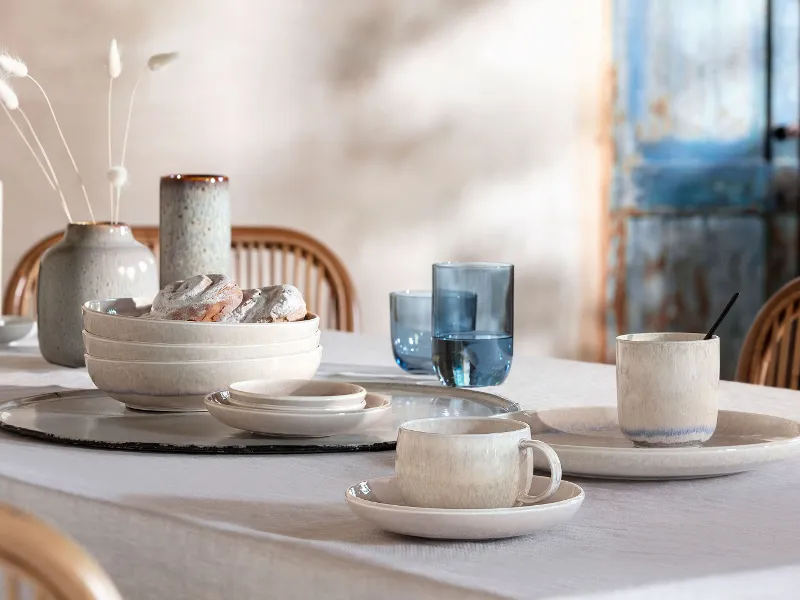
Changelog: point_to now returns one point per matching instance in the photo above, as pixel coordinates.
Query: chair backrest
(260, 256)
(771, 351)
(37, 561)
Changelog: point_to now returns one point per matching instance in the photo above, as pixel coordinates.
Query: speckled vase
(93, 261)
(667, 388)
(195, 226)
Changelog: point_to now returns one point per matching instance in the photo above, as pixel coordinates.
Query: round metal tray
(91, 419)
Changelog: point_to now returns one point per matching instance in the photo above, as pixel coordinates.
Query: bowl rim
(147, 302)
(357, 393)
(85, 333)
(297, 409)
(174, 363)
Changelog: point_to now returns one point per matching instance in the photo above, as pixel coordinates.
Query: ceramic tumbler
(471, 462)
(194, 226)
(667, 388)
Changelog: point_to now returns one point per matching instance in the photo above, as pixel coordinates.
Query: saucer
(13, 328)
(291, 424)
(590, 444)
(379, 502)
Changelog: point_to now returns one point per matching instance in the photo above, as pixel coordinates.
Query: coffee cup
(470, 463)
(667, 388)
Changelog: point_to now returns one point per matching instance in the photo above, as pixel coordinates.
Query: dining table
(277, 526)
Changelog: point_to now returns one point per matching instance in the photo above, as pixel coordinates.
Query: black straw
(721, 317)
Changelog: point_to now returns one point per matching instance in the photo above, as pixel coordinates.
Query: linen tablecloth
(179, 526)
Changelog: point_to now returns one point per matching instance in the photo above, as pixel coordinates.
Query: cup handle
(555, 471)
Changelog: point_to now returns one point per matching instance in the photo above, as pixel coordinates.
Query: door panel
(784, 70)
(681, 271)
(697, 209)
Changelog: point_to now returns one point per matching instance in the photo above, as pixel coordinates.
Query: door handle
(785, 132)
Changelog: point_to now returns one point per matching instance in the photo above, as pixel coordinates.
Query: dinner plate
(294, 424)
(379, 502)
(589, 443)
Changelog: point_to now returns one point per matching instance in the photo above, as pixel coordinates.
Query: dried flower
(66, 147)
(7, 96)
(28, 145)
(114, 61)
(12, 67)
(159, 61)
(10, 102)
(114, 70)
(118, 176)
(155, 63)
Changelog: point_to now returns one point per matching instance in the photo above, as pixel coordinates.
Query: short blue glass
(410, 315)
(411, 321)
(484, 293)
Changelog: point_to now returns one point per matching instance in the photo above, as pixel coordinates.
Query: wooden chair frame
(763, 359)
(33, 553)
(22, 284)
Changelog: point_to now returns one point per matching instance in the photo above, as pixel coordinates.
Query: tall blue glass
(480, 356)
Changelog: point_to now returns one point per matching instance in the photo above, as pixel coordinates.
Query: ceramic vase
(194, 226)
(93, 261)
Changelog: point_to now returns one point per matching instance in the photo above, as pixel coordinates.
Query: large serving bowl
(182, 386)
(100, 347)
(118, 319)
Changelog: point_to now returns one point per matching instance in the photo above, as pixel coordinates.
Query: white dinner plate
(589, 443)
(299, 425)
(379, 502)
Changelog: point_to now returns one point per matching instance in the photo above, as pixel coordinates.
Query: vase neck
(98, 233)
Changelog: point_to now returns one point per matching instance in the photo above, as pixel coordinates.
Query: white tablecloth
(177, 526)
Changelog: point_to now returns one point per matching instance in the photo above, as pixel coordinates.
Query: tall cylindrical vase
(93, 261)
(194, 226)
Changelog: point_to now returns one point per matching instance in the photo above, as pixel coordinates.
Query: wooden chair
(260, 256)
(36, 561)
(771, 351)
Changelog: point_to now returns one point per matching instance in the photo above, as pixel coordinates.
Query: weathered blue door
(700, 204)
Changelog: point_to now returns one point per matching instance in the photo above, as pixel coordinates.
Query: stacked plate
(173, 365)
(297, 408)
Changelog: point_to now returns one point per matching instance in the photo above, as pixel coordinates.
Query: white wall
(399, 132)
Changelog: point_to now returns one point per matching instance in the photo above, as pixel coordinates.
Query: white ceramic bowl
(182, 386)
(285, 424)
(13, 328)
(118, 319)
(100, 347)
(296, 393)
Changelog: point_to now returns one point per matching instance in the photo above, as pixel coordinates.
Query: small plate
(379, 502)
(285, 424)
(297, 393)
(590, 444)
(14, 328)
(299, 410)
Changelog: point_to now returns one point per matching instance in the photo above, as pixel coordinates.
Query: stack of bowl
(173, 365)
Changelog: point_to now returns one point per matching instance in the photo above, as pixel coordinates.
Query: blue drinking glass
(483, 295)
(411, 319)
(410, 315)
